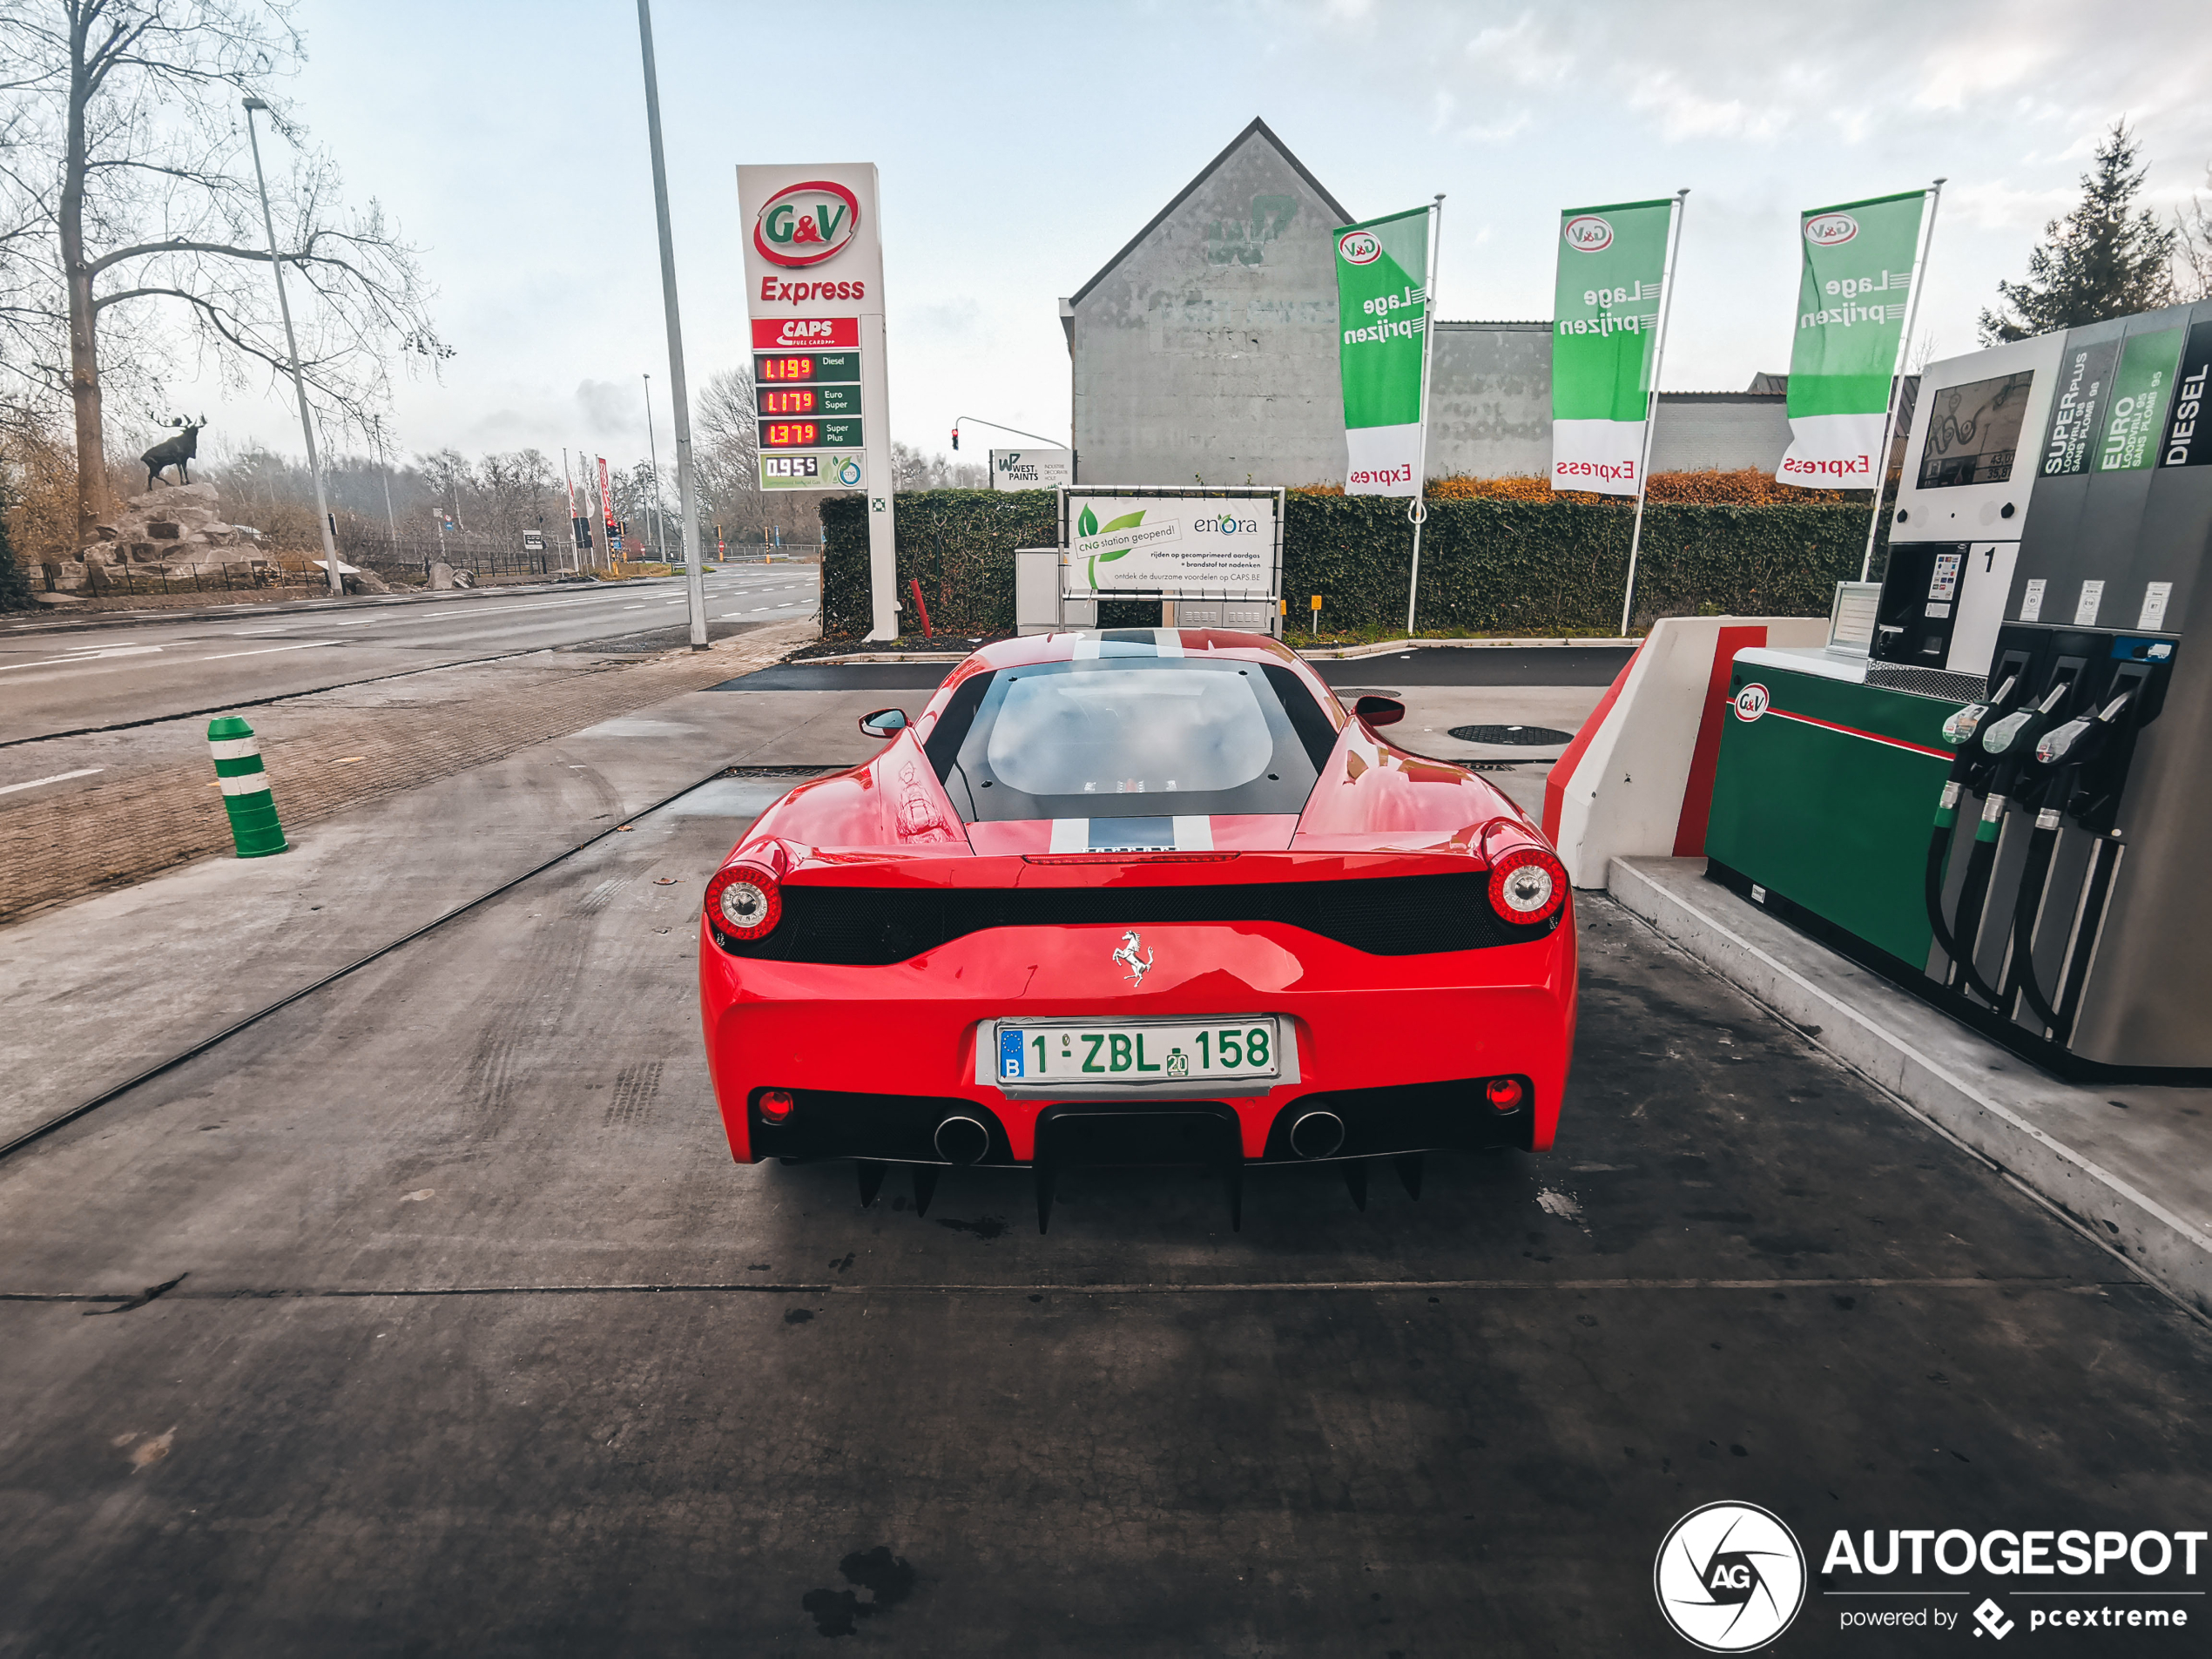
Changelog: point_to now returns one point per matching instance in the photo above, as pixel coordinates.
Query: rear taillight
(1527, 885)
(776, 1105)
(744, 902)
(1504, 1094)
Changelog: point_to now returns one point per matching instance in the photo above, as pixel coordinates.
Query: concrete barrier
(1637, 781)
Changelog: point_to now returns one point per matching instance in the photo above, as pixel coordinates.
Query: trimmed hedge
(1488, 566)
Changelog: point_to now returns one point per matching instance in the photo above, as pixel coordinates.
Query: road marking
(266, 649)
(89, 654)
(469, 616)
(59, 776)
(633, 607)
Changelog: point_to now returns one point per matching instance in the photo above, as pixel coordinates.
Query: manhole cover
(1533, 736)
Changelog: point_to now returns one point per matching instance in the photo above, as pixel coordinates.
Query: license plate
(1120, 1053)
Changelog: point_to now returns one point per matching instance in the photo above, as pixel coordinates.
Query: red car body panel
(1360, 1020)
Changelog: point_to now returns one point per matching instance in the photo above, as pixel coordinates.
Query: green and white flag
(1852, 303)
(1605, 338)
(1382, 318)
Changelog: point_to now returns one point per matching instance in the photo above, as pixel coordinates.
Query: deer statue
(174, 451)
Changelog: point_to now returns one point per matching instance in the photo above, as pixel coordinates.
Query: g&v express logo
(805, 223)
(1830, 230)
(1587, 234)
(1730, 1577)
(1359, 248)
(1750, 702)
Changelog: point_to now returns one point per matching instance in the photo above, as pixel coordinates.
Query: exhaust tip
(961, 1140)
(1317, 1135)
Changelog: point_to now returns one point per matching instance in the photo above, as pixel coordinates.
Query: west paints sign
(1382, 323)
(1605, 335)
(1032, 468)
(1209, 546)
(1853, 294)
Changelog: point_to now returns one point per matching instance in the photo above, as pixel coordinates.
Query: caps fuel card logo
(805, 223)
(1587, 234)
(1730, 1577)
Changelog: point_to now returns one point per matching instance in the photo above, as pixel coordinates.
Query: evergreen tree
(14, 586)
(2106, 258)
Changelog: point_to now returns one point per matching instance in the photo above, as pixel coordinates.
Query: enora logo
(1830, 230)
(805, 223)
(1587, 234)
(1359, 248)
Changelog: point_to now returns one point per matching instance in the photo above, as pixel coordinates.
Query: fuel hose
(2032, 877)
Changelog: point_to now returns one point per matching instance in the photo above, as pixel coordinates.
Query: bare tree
(2193, 244)
(130, 151)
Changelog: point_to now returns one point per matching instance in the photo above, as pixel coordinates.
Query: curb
(1888, 1036)
(1347, 653)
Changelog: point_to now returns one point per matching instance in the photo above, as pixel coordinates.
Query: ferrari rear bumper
(1399, 1050)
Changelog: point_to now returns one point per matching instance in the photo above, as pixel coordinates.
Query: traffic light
(956, 438)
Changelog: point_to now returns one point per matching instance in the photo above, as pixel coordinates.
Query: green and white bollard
(245, 787)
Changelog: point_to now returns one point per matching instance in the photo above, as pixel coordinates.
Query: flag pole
(1897, 375)
(1419, 512)
(1651, 401)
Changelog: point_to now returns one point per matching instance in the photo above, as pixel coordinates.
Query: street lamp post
(652, 449)
(695, 570)
(292, 343)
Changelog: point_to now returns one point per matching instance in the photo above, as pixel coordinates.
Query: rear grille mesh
(1384, 916)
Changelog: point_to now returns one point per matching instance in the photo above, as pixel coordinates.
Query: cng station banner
(1382, 316)
(1853, 302)
(1605, 331)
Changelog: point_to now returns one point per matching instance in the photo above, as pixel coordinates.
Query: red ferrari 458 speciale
(1138, 896)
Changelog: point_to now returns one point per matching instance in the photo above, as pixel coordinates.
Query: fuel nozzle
(1959, 731)
(2008, 736)
(2080, 738)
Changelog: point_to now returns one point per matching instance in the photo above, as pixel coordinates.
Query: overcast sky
(1020, 145)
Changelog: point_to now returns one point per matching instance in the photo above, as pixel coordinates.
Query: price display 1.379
(806, 368)
(810, 434)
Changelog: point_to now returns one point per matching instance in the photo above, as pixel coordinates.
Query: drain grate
(1533, 737)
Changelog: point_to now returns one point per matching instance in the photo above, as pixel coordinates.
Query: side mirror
(1379, 711)
(884, 723)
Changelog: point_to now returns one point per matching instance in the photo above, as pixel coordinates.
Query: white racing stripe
(1071, 835)
(1194, 834)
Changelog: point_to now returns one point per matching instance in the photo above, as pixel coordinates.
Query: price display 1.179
(806, 368)
(809, 399)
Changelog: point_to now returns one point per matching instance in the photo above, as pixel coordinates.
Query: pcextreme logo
(1359, 248)
(1587, 234)
(1730, 1577)
(805, 223)
(1830, 230)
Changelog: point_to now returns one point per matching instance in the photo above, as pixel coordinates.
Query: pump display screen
(1973, 431)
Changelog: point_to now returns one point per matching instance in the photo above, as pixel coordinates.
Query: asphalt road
(99, 672)
(429, 1315)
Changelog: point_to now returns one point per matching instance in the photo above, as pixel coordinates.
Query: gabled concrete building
(1206, 351)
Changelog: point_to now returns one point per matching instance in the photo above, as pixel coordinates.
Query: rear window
(1127, 738)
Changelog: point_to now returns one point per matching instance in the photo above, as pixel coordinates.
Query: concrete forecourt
(428, 1309)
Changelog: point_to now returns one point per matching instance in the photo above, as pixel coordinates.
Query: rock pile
(171, 530)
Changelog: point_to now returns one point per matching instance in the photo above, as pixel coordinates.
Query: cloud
(612, 406)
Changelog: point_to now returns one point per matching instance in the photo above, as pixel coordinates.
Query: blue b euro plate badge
(1009, 1054)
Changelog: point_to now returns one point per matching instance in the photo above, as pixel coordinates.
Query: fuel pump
(2028, 671)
